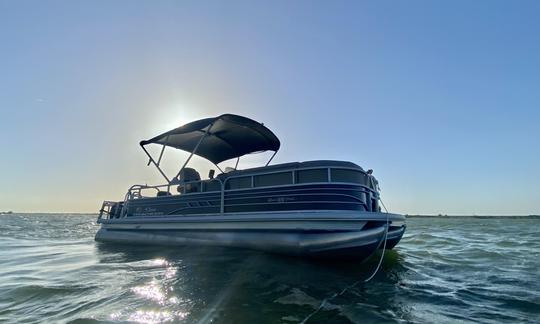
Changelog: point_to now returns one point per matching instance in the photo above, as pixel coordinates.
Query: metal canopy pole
(195, 149)
(157, 165)
(217, 166)
(275, 152)
(163, 149)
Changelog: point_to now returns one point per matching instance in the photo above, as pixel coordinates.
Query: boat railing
(164, 190)
(327, 176)
(106, 209)
(220, 184)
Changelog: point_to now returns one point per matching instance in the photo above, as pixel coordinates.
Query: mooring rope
(354, 284)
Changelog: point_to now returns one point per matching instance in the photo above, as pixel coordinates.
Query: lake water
(444, 270)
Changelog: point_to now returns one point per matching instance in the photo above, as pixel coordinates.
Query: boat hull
(315, 234)
(394, 236)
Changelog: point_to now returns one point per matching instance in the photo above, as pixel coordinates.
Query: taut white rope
(359, 281)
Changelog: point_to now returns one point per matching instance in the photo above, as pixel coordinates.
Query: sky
(440, 99)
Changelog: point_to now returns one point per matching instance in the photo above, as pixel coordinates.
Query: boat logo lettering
(281, 199)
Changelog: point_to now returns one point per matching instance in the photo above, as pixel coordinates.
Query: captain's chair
(189, 174)
(184, 178)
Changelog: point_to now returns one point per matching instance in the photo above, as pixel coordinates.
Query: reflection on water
(209, 284)
(159, 291)
(444, 270)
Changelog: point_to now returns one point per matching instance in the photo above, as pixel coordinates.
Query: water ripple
(445, 270)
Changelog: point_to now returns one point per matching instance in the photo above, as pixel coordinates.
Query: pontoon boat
(317, 208)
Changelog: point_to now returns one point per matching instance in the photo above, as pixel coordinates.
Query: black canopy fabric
(225, 137)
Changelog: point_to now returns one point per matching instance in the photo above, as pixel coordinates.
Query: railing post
(222, 203)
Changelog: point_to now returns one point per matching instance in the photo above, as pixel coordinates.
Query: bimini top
(220, 138)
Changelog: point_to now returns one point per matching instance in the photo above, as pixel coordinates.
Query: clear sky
(442, 100)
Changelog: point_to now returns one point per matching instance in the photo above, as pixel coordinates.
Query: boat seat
(189, 187)
(189, 174)
(187, 178)
(186, 175)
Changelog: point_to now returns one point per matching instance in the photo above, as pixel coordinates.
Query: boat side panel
(314, 197)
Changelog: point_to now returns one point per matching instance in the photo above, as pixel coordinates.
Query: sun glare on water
(158, 292)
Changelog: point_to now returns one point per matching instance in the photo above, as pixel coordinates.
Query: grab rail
(106, 209)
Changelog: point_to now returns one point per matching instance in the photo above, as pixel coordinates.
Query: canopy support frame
(217, 166)
(195, 150)
(271, 158)
(228, 147)
(162, 150)
(154, 162)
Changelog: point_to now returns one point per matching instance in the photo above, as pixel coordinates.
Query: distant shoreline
(472, 216)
